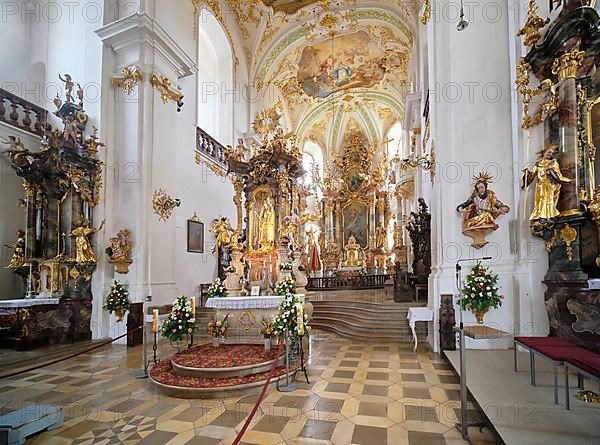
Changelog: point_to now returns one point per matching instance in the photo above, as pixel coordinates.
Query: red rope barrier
(62, 359)
(260, 397)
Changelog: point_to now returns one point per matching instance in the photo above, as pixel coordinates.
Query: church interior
(299, 222)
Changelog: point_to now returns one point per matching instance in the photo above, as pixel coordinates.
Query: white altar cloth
(418, 314)
(242, 303)
(28, 302)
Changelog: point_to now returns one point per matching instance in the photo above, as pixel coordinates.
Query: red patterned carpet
(163, 373)
(225, 356)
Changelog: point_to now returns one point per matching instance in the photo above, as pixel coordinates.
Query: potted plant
(266, 331)
(216, 329)
(181, 321)
(117, 300)
(217, 289)
(480, 292)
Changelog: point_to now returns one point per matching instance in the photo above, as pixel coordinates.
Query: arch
(395, 141)
(216, 87)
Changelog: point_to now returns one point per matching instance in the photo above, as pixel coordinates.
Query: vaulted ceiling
(336, 66)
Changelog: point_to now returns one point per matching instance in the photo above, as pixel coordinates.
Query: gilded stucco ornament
(118, 251)
(163, 204)
(531, 28)
(162, 84)
(129, 78)
(568, 235)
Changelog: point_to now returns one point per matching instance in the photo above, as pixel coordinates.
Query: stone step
(372, 337)
(367, 328)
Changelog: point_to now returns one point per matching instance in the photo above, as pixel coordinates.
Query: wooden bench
(587, 365)
(16, 426)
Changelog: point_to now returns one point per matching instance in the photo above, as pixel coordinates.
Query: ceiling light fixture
(462, 23)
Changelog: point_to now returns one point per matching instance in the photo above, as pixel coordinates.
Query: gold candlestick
(155, 320)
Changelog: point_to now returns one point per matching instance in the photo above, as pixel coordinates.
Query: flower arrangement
(217, 289)
(217, 328)
(291, 317)
(285, 266)
(181, 321)
(363, 271)
(301, 268)
(230, 269)
(480, 292)
(266, 329)
(117, 300)
(286, 286)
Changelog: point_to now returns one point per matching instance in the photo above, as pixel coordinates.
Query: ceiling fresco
(336, 66)
(288, 6)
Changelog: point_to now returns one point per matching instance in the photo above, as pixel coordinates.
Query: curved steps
(207, 371)
(367, 321)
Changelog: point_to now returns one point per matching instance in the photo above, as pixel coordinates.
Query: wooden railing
(210, 147)
(347, 282)
(22, 114)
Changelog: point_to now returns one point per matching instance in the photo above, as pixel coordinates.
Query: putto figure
(481, 210)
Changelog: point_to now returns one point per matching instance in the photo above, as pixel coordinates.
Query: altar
(245, 315)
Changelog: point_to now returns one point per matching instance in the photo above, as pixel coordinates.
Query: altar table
(418, 314)
(246, 315)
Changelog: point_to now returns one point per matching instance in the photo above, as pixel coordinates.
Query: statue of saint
(18, 257)
(221, 228)
(84, 251)
(483, 207)
(266, 225)
(314, 258)
(549, 182)
(381, 237)
(119, 246)
(352, 252)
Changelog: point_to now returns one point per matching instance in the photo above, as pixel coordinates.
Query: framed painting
(356, 222)
(195, 236)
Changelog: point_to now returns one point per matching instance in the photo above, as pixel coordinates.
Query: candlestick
(155, 320)
(194, 307)
(300, 319)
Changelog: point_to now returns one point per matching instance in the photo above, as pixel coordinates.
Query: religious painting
(356, 222)
(195, 236)
(288, 6)
(347, 61)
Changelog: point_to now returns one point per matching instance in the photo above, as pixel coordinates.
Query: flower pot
(480, 314)
(268, 344)
(120, 313)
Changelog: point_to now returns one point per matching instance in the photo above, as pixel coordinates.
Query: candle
(193, 306)
(300, 319)
(155, 320)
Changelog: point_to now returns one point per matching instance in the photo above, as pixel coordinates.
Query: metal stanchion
(289, 386)
(144, 374)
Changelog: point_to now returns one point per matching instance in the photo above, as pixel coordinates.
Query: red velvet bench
(587, 364)
(556, 350)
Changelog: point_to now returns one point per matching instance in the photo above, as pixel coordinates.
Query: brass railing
(347, 282)
(210, 147)
(22, 114)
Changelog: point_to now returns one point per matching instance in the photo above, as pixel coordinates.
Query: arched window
(395, 140)
(312, 158)
(216, 92)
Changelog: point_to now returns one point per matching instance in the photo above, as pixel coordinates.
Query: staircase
(367, 321)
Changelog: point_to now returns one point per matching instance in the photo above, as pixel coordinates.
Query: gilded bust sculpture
(549, 182)
(481, 210)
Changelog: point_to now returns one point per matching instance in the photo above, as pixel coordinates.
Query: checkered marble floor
(359, 393)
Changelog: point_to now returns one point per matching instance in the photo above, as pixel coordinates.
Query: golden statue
(85, 252)
(221, 228)
(549, 183)
(352, 252)
(18, 257)
(381, 237)
(266, 225)
(118, 251)
(481, 210)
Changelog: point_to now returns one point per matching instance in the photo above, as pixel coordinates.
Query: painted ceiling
(335, 66)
